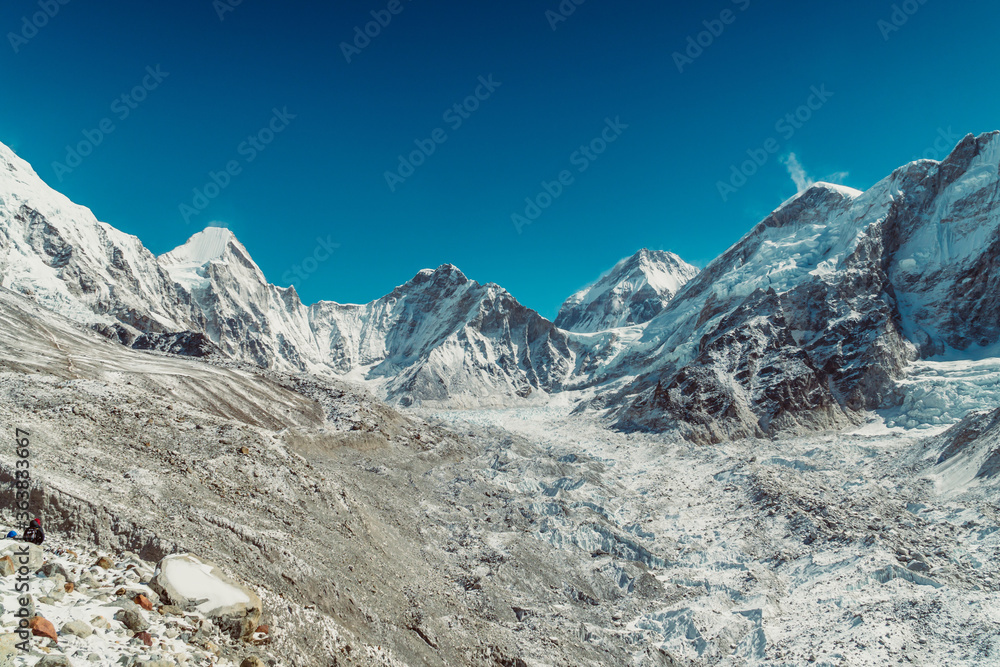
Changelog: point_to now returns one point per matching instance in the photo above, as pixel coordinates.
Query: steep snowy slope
(58, 253)
(633, 292)
(966, 457)
(246, 316)
(810, 319)
(806, 323)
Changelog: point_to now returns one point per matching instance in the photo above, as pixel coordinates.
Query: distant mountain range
(806, 323)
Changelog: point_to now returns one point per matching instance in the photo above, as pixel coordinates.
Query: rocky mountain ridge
(810, 320)
(635, 291)
(807, 323)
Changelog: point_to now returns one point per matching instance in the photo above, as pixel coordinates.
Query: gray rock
(171, 610)
(133, 620)
(52, 569)
(78, 628)
(88, 580)
(54, 661)
(35, 556)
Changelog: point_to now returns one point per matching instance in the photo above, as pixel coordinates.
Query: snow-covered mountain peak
(837, 187)
(634, 291)
(188, 264)
(444, 276)
(208, 245)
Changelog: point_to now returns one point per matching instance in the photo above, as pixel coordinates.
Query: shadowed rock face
(185, 344)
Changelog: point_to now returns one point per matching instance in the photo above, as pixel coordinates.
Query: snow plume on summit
(798, 173)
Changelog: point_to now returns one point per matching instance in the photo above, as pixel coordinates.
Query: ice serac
(810, 319)
(633, 292)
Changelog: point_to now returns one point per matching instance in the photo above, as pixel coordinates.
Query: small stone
(146, 638)
(132, 620)
(54, 661)
(171, 610)
(87, 579)
(41, 627)
(69, 587)
(252, 661)
(918, 566)
(78, 628)
(143, 602)
(100, 622)
(50, 570)
(104, 562)
(7, 566)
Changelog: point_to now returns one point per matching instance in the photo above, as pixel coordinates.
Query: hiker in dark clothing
(34, 533)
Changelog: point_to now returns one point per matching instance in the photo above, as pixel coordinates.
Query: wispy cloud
(803, 181)
(798, 173)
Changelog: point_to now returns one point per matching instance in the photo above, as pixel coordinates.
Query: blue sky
(640, 137)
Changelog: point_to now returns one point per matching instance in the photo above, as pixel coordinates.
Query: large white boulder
(197, 585)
